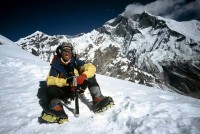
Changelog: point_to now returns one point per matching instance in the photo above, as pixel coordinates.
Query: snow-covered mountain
(141, 48)
(138, 108)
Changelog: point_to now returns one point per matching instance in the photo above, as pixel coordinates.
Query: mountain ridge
(145, 49)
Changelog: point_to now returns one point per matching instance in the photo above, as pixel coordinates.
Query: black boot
(48, 116)
(54, 114)
(100, 103)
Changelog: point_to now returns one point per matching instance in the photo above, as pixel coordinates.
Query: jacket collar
(59, 65)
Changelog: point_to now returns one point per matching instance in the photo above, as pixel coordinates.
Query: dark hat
(65, 45)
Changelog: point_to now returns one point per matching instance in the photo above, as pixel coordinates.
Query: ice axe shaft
(76, 96)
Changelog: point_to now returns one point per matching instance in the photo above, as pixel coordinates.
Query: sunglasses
(66, 51)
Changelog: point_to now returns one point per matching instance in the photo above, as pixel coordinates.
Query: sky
(138, 109)
(20, 18)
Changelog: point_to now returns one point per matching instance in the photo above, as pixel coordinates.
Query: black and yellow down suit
(59, 87)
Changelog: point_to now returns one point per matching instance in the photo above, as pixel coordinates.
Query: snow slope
(138, 108)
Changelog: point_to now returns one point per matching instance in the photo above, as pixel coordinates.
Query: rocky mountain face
(141, 48)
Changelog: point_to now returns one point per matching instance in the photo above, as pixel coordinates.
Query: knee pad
(55, 104)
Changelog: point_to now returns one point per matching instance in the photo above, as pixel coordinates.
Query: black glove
(69, 80)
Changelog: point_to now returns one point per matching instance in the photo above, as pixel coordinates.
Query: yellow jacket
(58, 77)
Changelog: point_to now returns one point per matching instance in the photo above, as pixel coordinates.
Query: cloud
(174, 9)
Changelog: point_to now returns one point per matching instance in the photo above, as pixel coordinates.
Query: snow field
(138, 108)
